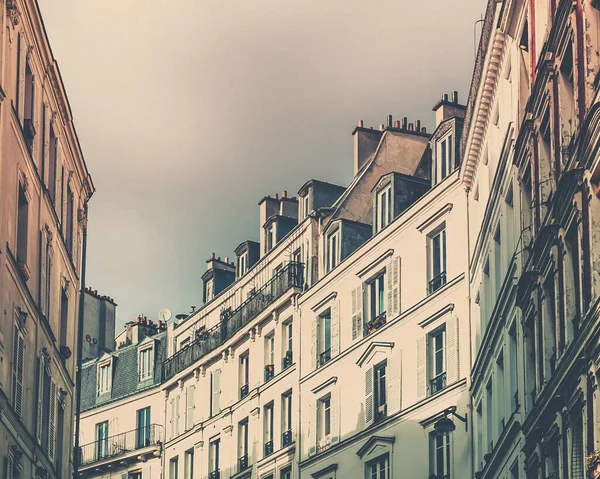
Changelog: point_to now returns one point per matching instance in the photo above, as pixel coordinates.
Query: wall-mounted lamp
(445, 426)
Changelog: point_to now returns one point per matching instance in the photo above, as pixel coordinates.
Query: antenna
(164, 314)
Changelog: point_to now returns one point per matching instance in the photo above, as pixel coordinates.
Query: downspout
(471, 406)
(299, 368)
(80, 343)
(580, 62)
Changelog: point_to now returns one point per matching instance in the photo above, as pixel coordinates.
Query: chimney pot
(445, 96)
(389, 124)
(284, 194)
(360, 123)
(418, 127)
(454, 96)
(404, 123)
(227, 259)
(423, 130)
(381, 127)
(276, 196)
(410, 127)
(396, 123)
(212, 256)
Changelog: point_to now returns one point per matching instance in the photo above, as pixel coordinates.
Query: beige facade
(44, 184)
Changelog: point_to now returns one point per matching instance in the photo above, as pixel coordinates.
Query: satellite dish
(164, 315)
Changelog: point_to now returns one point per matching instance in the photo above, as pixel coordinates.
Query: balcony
(243, 463)
(244, 391)
(214, 474)
(233, 320)
(437, 383)
(124, 447)
(268, 448)
(375, 324)
(269, 372)
(437, 282)
(324, 357)
(287, 359)
(286, 438)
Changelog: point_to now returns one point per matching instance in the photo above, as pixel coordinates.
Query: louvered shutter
(369, 396)
(357, 318)
(40, 409)
(313, 343)
(312, 433)
(396, 287)
(52, 423)
(177, 413)
(394, 378)
(172, 418)
(49, 285)
(335, 328)
(22, 65)
(46, 146)
(18, 365)
(189, 412)
(217, 391)
(44, 271)
(452, 358)
(9, 466)
(421, 367)
(58, 184)
(336, 405)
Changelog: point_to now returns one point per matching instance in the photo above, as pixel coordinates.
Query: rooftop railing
(232, 320)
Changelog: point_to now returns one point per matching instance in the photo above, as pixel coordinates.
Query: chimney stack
(454, 96)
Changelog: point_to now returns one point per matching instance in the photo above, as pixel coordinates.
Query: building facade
(531, 170)
(44, 186)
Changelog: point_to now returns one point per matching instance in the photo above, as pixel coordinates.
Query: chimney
(454, 96)
(365, 144)
(396, 124)
(284, 194)
(227, 259)
(410, 127)
(445, 109)
(389, 124)
(423, 130)
(360, 123)
(381, 127)
(404, 123)
(418, 127)
(276, 196)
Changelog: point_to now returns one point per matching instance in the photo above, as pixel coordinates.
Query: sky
(190, 111)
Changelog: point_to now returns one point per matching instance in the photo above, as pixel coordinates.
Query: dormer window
(146, 363)
(445, 158)
(269, 237)
(306, 205)
(333, 250)
(104, 378)
(242, 265)
(384, 207)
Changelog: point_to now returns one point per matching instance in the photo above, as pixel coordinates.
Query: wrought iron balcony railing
(244, 391)
(243, 463)
(324, 357)
(437, 383)
(375, 324)
(437, 282)
(268, 448)
(287, 359)
(232, 320)
(215, 474)
(269, 372)
(286, 438)
(120, 444)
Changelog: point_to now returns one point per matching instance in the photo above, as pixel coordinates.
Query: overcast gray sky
(190, 111)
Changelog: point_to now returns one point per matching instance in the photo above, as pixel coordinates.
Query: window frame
(377, 462)
(333, 249)
(434, 372)
(437, 279)
(146, 368)
(384, 199)
(380, 389)
(324, 352)
(434, 451)
(104, 387)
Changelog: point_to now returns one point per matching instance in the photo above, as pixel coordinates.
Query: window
(143, 428)
(134, 475)
(479, 425)
(174, 467)
(437, 260)
(268, 429)
(18, 364)
(104, 378)
(69, 222)
(437, 373)
(214, 458)
(376, 297)
(286, 473)
(324, 417)
(500, 406)
(208, 291)
(22, 226)
(445, 164)
(64, 318)
(384, 208)
(306, 206)
(439, 456)
(269, 239)
(489, 413)
(286, 419)
(324, 337)
(379, 390)
(174, 405)
(184, 343)
(243, 445)
(287, 344)
(512, 361)
(244, 374)
(189, 407)
(146, 363)
(52, 164)
(215, 392)
(102, 440)
(333, 250)
(378, 468)
(242, 264)
(269, 356)
(188, 464)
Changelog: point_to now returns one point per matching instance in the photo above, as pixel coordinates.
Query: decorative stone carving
(13, 11)
(82, 218)
(21, 316)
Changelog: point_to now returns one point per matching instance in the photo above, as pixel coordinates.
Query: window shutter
(313, 344)
(18, 365)
(216, 391)
(40, 409)
(421, 368)
(58, 184)
(172, 417)
(52, 422)
(177, 400)
(369, 396)
(394, 371)
(335, 416)
(46, 145)
(22, 64)
(452, 359)
(43, 270)
(9, 466)
(396, 286)
(335, 328)
(189, 413)
(48, 286)
(357, 300)
(375, 211)
(312, 433)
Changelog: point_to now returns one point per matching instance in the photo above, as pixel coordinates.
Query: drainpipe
(580, 63)
(469, 299)
(80, 344)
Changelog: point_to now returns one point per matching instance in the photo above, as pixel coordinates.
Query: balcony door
(143, 428)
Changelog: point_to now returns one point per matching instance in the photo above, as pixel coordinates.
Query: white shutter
(369, 396)
(172, 418)
(22, 64)
(312, 432)
(421, 367)
(189, 411)
(452, 359)
(52, 422)
(335, 328)
(389, 276)
(394, 392)
(40, 409)
(396, 306)
(357, 318)
(18, 365)
(335, 405)
(216, 391)
(177, 401)
(313, 343)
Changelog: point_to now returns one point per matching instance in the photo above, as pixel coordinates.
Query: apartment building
(44, 189)
(531, 170)
(122, 406)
